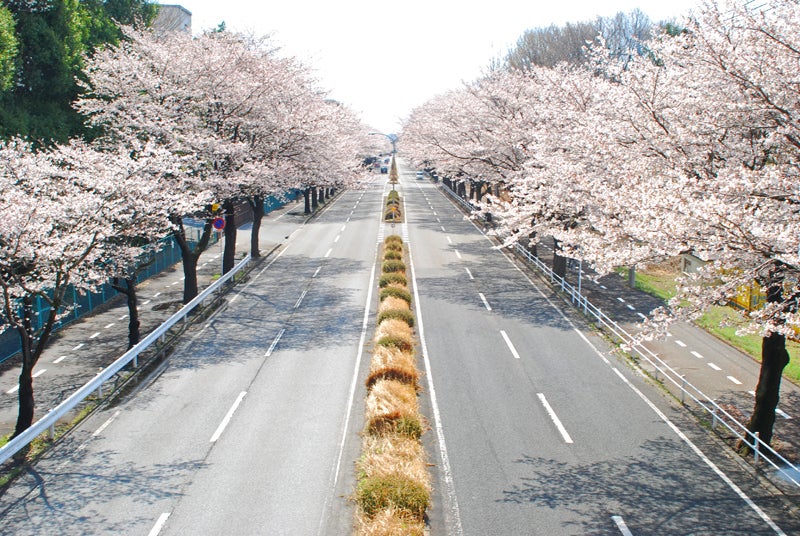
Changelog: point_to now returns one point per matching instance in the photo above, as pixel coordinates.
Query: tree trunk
(307, 196)
(25, 393)
(229, 253)
(129, 289)
(190, 256)
(559, 262)
(774, 359)
(257, 206)
(314, 201)
(320, 196)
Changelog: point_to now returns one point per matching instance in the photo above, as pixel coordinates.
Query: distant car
(384, 169)
(420, 175)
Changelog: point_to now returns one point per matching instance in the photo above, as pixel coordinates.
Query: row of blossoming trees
(183, 126)
(691, 145)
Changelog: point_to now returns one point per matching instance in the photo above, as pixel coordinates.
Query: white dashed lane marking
(713, 366)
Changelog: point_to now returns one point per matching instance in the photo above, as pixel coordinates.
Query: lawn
(721, 321)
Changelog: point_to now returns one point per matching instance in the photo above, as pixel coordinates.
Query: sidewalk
(79, 351)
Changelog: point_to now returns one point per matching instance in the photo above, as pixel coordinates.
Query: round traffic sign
(219, 223)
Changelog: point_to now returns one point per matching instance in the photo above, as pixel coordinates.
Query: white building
(171, 18)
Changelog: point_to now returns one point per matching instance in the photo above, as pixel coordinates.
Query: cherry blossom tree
(59, 209)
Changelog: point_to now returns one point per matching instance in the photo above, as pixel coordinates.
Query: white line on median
(469, 273)
(623, 528)
(275, 343)
(228, 416)
(510, 344)
(554, 418)
(486, 303)
(162, 520)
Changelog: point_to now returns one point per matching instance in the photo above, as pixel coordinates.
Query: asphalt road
(252, 426)
(540, 430)
(249, 428)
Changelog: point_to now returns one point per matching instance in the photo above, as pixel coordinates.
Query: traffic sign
(219, 223)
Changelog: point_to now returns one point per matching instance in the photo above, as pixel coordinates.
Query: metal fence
(48, 422)
(718, 415)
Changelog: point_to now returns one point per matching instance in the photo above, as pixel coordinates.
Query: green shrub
(394, 194)
(393, 239)
(404, 345)
(392, 255)
(397, 314)
(393, 203)
(396, 292)
(393, 215)
(393, 278)
(395, 423)
(393, 266)
(381, 492)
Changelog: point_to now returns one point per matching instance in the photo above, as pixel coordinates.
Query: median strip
(393, 491)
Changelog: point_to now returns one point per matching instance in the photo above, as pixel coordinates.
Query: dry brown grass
(394, 455)
(392, 302)
(384, 356)
(391, 327)
(390, 522)
(391, 397)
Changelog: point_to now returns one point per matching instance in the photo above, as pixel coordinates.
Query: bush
(396, 292)
(395, 423)
(393, 239)
(393, 194)
(393, 247)
(393, 266)
(395, 278)
(395, 342)
(401, 374)
(392, 255)
(393, 215)
(381, 492)
(393, 203)
(397, 314)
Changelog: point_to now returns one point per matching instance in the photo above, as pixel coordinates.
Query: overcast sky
(384, 58)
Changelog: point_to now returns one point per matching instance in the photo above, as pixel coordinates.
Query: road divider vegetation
(394, 485)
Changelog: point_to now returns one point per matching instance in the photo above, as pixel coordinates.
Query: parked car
(420, 175)
(384, 169)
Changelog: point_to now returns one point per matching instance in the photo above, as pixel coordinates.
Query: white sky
(384, 58)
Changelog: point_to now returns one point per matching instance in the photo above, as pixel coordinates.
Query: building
(173, 18)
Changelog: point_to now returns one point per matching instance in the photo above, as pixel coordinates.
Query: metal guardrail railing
(48, 422)
(718, 414)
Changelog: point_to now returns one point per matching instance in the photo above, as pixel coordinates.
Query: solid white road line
(227, 419)
(275, 343)
(734, 380)
(486, 303)
(680, 343)
(510, 344)
(554, 418)
(451, 507)
(623, 528)
(730, 483)
(162, 520)
(469, 273)
(697, 354)
(713, 366)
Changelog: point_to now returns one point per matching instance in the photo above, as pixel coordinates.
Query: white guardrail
(717, 413)
(48, 422)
